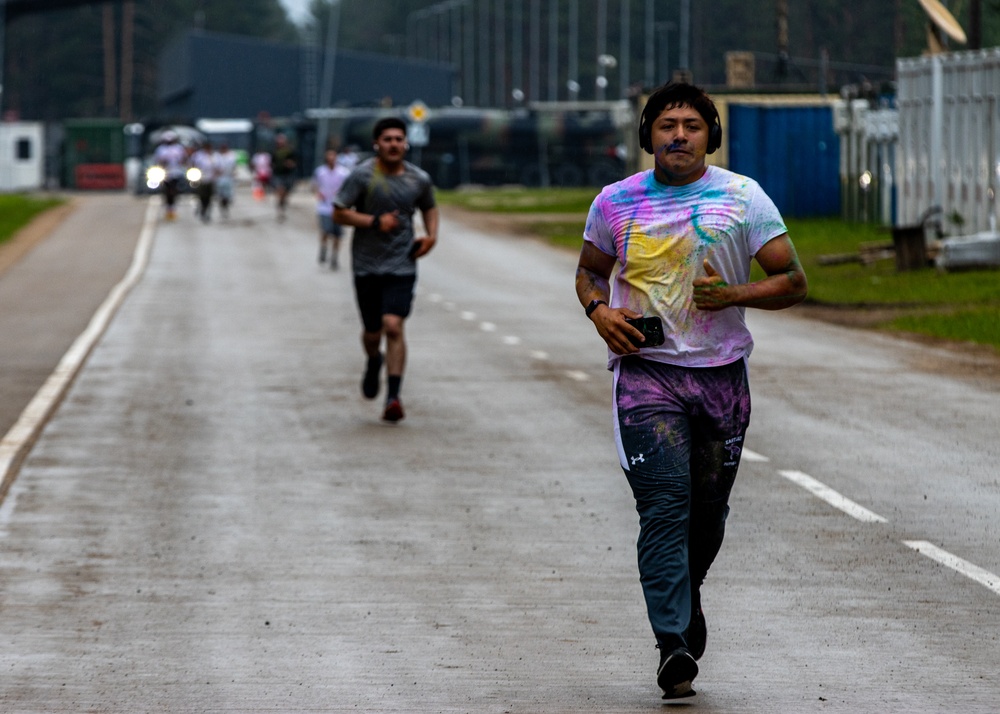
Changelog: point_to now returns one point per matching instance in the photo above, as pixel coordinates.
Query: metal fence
(949, 140)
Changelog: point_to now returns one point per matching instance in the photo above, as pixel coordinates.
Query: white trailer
(22, 156)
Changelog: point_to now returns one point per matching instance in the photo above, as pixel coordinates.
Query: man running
(379, 199)
(683, 236)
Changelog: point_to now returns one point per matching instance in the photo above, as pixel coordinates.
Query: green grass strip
(17, 210)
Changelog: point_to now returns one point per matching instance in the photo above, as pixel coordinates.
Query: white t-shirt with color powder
(660, 235)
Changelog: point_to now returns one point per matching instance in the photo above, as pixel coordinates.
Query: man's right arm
(350, 217)
(593, 282)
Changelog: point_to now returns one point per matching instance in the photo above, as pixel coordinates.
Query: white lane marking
(435, 297)
(511, 340)
(26, 429)
(751, 455)
(576, 375)
(832, 497)
(467, 315)
(487, 327)
(983, 577)
(539, 355)
(7, 509)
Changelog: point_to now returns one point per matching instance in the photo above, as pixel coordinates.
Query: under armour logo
(638, 459)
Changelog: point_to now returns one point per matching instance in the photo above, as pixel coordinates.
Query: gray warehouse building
(206, 74)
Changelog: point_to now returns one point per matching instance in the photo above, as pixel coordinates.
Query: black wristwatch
(593, 306)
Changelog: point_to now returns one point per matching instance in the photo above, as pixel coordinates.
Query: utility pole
(469, 65)
(535, 49)
(501, 65)
(573, 61)
(517, 50)
(976, 24)
(624, 49)
(553, 50)
(108, 38)
(484, 52)
(329, 69)
(782, 26)
(602, 49)
(684, 60)
(3, 48)
(128, 59)
(650, 46)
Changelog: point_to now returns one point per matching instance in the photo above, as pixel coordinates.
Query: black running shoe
(677, 670)
(370, 383)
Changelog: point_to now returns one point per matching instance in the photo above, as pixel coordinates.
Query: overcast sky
(297, 9)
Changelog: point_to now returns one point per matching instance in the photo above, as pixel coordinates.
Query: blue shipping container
(792, 152)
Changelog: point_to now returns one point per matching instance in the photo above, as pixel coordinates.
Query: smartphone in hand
(650, 327)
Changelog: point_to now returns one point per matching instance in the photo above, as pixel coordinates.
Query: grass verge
(959, 306)
(17, 210)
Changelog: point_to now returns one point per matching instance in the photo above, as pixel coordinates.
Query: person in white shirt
(204, 160)
(225, 168)
(327, 180)
(171, 156)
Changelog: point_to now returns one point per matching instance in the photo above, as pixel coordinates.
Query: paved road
(215, 520)
(50, 294)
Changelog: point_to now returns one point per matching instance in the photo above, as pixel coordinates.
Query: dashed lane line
(817, 488)
(973, 572)
(835, 499)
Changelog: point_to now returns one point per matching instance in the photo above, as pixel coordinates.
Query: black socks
(394, 384)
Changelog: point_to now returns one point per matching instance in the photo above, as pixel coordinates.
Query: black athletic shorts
(380, 295)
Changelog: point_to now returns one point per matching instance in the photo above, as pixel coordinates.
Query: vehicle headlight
(193, 175)
(155, 176)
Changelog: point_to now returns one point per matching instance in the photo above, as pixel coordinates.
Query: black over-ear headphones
(646, 133)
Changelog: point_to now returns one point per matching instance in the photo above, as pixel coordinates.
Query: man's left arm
(784, 286)
(425, 243)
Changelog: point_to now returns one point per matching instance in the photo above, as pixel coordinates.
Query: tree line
(69, 62)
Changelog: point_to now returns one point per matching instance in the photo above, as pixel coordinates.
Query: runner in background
(225, 170)
(326, 181)
(284, 171)
(260, 164)
(171, 156)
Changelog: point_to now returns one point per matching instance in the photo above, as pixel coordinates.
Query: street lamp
(604, 63)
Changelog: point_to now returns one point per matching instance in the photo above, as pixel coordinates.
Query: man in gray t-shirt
(379, 199)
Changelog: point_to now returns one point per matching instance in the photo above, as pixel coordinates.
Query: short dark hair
(669, 96)
(387, 123)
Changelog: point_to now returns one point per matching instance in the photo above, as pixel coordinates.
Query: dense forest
(72, 62)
